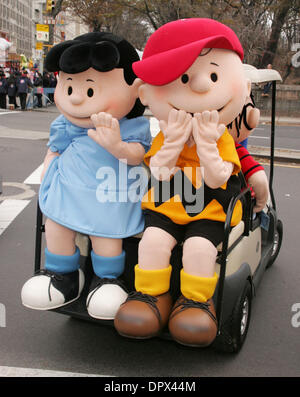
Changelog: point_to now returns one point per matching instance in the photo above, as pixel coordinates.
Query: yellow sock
(152, 282)
(197, 288)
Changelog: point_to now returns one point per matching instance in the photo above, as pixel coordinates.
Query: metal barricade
(32, 99)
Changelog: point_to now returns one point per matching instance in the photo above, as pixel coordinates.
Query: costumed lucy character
(100, 130)
(254, 173)
(194, 83)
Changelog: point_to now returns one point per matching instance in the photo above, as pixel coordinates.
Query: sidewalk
(280, 120)
(49, 108)
(283, 155)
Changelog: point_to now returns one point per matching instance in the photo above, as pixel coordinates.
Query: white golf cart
(247, 250)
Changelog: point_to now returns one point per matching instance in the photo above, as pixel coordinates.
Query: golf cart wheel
(234, 331)
(276, 243)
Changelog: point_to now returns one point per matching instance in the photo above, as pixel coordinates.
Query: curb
(288, 121)
(281, 155)
(48, 109)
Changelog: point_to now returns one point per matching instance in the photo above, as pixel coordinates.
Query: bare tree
(97, 14)
(280, 14)
(159, 12)
(111, 16)
(261, 25)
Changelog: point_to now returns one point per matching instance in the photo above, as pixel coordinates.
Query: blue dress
(87, 189)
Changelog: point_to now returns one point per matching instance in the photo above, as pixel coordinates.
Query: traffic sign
(42, 32)
(38, 46)
(42, 28)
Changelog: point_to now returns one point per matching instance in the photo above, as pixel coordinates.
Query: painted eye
(90, 92)
(214, 77)
(184, 78)
(70, 90)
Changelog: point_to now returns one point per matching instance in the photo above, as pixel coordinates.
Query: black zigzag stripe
(193, 200)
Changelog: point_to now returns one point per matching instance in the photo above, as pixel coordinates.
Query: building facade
(16, 25)
(18, 20)
(67, 27)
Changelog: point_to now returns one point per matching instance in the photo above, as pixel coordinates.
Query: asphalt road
(34, 340)
(287, 137)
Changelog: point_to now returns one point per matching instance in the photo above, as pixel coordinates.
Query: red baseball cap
(174, 47)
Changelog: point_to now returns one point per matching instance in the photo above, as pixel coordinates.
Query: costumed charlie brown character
(194, 84)
(254, 173)
(100, 126)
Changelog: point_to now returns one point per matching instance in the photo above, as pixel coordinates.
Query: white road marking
(258, 137)
(11, 112)
(6, 132)
(9, 210)
(32, 372)
(35, 177)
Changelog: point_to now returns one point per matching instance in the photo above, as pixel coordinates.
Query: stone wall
(287, 100)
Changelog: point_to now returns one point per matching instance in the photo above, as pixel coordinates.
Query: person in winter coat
(38, 83)
(23, 85)
(46, 80)
(12, 90)
(53, 83)
(3, 90)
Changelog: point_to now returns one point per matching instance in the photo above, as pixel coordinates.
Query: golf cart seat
(235, 233)
(82, 241)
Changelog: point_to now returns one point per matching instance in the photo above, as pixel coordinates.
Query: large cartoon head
(244, 124)
(195, 65)
(95, 75)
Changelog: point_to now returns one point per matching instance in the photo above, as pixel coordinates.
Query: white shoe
(104, 300)
(48, 290)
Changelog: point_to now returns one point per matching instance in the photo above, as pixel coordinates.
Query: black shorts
(211, 230)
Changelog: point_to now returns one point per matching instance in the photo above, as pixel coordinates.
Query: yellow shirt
(185, 198)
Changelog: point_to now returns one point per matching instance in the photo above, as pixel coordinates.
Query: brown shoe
(193, 323)
(143, 316)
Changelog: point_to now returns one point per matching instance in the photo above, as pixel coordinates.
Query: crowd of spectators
(15, 85)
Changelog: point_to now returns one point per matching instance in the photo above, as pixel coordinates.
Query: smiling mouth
(192, 114)
(85, 117)
(79, 117)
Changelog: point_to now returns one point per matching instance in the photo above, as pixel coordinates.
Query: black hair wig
(102, 51)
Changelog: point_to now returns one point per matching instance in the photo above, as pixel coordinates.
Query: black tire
(276, 243)
(234, 330)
